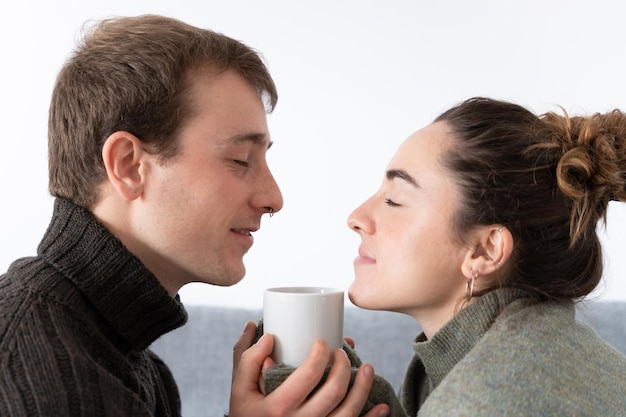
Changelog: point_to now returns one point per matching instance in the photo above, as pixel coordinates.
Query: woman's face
(409, 260)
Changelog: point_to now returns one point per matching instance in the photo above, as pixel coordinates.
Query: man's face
(199, 209)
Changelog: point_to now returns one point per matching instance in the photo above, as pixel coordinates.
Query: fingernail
(266, 365)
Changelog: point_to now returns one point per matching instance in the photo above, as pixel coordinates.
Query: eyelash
(242, 163)
(391, 203)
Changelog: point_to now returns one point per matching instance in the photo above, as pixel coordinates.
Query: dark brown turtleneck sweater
(75, 325)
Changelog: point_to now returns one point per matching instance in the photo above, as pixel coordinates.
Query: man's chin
(232, 278)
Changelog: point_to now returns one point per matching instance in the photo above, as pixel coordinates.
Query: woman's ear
(124, 162)
(491, 248)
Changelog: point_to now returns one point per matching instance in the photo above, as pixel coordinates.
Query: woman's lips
(363, 258)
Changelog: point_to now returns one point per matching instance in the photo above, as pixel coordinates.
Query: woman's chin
(363, 299)
(353, 295)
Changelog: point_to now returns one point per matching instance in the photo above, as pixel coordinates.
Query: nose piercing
(270, 211)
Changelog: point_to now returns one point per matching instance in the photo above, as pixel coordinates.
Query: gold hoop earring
(469, 286)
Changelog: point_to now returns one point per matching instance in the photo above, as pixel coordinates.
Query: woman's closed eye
(242, 163)
(391, 203)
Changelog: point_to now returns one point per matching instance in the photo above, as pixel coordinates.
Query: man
(157, 144)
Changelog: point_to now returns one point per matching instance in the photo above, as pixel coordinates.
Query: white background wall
(355, 77)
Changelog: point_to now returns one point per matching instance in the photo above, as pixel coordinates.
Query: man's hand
(293, 397)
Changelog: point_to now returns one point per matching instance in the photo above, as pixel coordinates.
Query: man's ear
(124, 161)
(491, 248)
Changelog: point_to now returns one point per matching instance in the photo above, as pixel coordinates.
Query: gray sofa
(200, 353)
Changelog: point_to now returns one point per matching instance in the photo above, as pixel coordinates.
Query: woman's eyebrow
(399, 173)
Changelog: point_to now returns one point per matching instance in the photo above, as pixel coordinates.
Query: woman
(484, 231)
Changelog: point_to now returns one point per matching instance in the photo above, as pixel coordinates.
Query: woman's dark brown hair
(133, 74)
(548, 179)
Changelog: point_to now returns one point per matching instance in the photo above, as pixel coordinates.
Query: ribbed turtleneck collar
(457, 337)
(123, 291)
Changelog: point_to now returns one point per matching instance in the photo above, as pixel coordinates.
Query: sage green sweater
(507, 355)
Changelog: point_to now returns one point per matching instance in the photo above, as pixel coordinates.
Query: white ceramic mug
(298, 316)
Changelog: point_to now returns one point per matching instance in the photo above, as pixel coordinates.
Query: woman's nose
(358, 220)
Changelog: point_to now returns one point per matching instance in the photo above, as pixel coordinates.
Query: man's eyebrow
(258, 139)
(399, 173)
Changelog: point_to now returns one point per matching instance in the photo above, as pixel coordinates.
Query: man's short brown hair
(133, 74)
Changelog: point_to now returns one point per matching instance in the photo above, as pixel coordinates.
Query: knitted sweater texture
(507, 355)
(77, 321)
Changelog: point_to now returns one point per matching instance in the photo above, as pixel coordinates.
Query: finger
(243, 343)
(298, 386)
(358, 394)
(334, 389)
(245, 396)
(267, 364)
(349, 341)
(246, 375)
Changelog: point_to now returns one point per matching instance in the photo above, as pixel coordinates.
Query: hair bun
(591, 169)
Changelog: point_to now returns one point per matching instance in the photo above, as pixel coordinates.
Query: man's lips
(245, 233)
